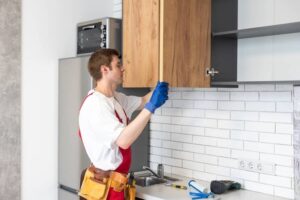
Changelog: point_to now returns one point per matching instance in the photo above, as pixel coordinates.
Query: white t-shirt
(100, 127)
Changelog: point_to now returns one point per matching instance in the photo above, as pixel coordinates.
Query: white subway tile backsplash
(284, 107)
(231, 105)
(183, 104)
(182, 138)
(160, 127)
(171, 111)
(263, 188)
(155, 142)
(220, 133)
(206, 104)
(260, 126)
(161, 151)
(183, 155)
(216, 114)
(193, 148)
(161, 119)
(284, 150)
(284, 87)
(203, 133)
(244, 96)
(228, 162)
(216, 96)
(276, 117)
(284, 171)
(259, 147)
(193, 165)
(192, 113)
(284, 192)
(276, 180)
(203, 122)
(244, 135)
(204, 158)
(259, 87)
(192, 130)
(284, 128)
(205, 140)
(247, 116)
(278, 159)
(250, 176)
(223, 152)
(244, 155)
(174, 95)
(204, 176)
(260, 106)
(230, 124)
(230, 144)
(160, 135)
(168, 104)
(171, 161)
(155, 158)
(193, 95)
(275, 96)
(182, 171)
(172, 145)
(212, 169)
(276, 138)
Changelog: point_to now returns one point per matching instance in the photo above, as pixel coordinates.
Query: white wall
(48, 33)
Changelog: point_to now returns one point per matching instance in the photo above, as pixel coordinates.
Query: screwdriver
(176, 186)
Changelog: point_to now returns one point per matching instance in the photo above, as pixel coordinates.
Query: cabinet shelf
(260, 31)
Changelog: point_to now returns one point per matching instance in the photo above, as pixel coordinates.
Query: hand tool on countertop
(176, 185)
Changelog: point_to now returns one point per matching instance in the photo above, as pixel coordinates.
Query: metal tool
(176, 186)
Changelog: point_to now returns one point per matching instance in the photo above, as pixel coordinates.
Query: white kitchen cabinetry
(268, 58)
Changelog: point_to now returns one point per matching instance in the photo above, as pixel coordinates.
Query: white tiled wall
(203, 133)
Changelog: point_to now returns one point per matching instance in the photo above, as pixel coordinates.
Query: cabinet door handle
(211, 72)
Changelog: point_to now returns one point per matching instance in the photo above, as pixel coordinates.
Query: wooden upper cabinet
(167, 40)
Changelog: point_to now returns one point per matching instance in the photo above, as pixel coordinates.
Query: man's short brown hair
(98, 58)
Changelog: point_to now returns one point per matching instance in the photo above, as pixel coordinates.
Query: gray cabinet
(262, 43)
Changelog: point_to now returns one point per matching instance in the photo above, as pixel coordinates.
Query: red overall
(125, 164)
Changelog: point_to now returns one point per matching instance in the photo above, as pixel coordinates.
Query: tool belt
(95, 184)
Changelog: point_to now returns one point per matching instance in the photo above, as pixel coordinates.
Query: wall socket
(257, 166)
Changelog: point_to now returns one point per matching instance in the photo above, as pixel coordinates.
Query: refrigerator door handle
(69, 189)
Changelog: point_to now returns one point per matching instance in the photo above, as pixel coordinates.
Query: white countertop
(163, 192)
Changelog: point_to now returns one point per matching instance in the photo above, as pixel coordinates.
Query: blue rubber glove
(159, 96)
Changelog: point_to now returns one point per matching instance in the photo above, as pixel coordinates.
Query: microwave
(99, 34)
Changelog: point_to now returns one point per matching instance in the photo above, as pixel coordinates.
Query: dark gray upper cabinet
(257, 46)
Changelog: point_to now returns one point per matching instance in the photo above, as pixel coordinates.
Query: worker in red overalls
(105, 113)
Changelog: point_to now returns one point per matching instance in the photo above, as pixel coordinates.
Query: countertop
(163, 192)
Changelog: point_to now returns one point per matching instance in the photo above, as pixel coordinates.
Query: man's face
(117, 70)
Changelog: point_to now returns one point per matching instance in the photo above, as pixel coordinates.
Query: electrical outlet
(257, 166)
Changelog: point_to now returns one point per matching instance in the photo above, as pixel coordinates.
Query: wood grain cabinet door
(168, 40)
(140, 42)
(185, 42)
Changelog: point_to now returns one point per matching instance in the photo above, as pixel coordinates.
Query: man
(103, 117)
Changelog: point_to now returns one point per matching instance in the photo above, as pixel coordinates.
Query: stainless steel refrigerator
(74, 84)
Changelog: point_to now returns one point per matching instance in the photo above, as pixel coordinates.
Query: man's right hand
(159, 96)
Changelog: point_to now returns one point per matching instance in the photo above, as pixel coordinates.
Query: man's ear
(104, 69)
